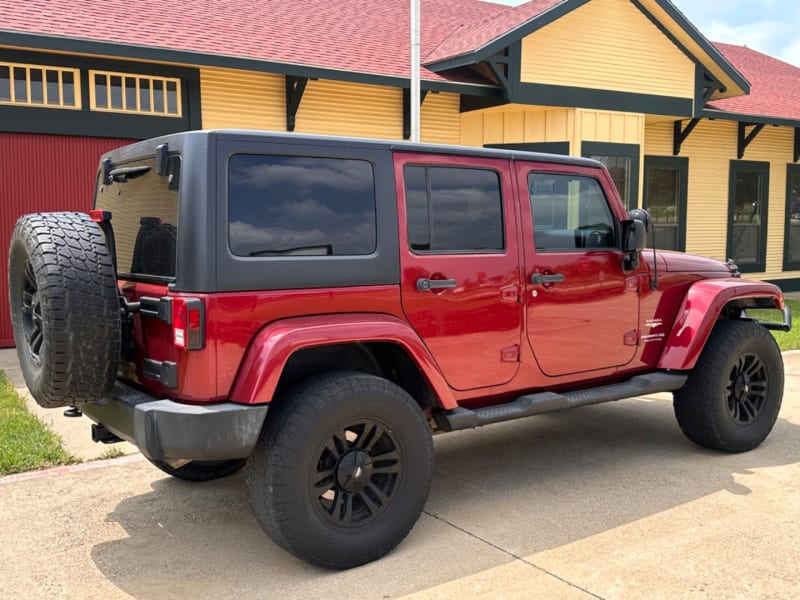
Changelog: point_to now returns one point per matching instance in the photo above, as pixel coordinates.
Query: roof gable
(478, 41)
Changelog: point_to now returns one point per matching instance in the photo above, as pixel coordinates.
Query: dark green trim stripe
(559, 95)
(786, 285)
(561, 148)
(514, 35)
(23, 119)
(752, 119)
(132, 52)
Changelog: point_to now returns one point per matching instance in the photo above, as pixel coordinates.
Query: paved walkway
(608, 501)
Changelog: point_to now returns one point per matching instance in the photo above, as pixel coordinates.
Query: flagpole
(415, 75)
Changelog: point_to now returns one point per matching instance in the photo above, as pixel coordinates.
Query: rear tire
(65, 308)
(342, 469)
(198, 470)
(733, 395)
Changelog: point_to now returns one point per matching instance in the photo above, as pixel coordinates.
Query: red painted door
(40, 173)
(460, 264)
(582, 307)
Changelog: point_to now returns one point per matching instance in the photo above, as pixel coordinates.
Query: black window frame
(762, 167)
(503, 220)
(680, 164)
(789, 265)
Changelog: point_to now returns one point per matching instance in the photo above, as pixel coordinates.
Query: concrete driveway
(603, 502)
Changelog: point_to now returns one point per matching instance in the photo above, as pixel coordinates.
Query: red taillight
(99, 216)
(188, 323)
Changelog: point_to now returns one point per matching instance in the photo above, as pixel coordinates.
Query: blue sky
(769, 26)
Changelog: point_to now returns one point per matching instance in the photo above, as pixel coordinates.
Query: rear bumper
(163, 429)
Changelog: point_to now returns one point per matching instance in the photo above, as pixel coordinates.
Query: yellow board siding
(342, 108)
(608, 126)
(607, 45)
(514, 124)
(684, 37)
(710, 148)
(440, 119)
(242, 99)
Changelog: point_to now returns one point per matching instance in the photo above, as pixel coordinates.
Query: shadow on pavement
(524, 487)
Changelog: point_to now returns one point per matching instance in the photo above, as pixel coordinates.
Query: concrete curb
(67, 469)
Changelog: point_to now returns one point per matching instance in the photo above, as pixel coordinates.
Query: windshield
(144, 215)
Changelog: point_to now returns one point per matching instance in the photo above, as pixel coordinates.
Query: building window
(39, 85)
(622, 162)
(791, 255)
(453, 209)
(139, 94)
(665, 193)
(747, 214)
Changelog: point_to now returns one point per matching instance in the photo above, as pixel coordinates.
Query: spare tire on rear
(65, 308)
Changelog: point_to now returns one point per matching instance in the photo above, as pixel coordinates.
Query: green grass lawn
(787, 341)
(25, 443)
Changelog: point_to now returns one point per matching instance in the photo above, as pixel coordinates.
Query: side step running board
(544, 402)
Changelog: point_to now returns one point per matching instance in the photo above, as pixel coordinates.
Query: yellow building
(707, 137)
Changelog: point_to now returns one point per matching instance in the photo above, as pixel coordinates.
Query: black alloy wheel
(32, 314)
(747, 389)
(356, 474)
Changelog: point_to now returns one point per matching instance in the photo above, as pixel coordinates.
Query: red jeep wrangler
(317, 307)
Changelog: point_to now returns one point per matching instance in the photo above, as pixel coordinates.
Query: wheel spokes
(747, 389)
(357, 473)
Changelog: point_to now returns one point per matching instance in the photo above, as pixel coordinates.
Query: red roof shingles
(369, 36)
(774, 85)
(470, 37)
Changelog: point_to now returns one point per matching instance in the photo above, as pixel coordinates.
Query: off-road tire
(733, 395)
(335, 430)
(199, 470)
(65, 308)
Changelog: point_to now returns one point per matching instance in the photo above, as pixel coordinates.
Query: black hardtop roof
(183, 138)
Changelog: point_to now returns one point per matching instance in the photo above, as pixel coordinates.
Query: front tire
(733, 395)
(342, 469)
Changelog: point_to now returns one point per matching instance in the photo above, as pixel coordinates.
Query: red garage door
(42, 173)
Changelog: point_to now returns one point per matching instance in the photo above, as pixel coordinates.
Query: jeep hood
(678, 262)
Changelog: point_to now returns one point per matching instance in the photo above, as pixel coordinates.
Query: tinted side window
(300, 206)
(452, 209)
(569, 212)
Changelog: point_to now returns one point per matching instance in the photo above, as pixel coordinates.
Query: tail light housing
(188, 323)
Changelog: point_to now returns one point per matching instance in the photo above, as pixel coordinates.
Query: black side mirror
(640, 214)
(633, 241)
(633, 235)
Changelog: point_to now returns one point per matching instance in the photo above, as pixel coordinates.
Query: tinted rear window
(144, 210)
(300, 206)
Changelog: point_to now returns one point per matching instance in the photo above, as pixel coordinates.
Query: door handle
(425, 285)
(539, 278)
